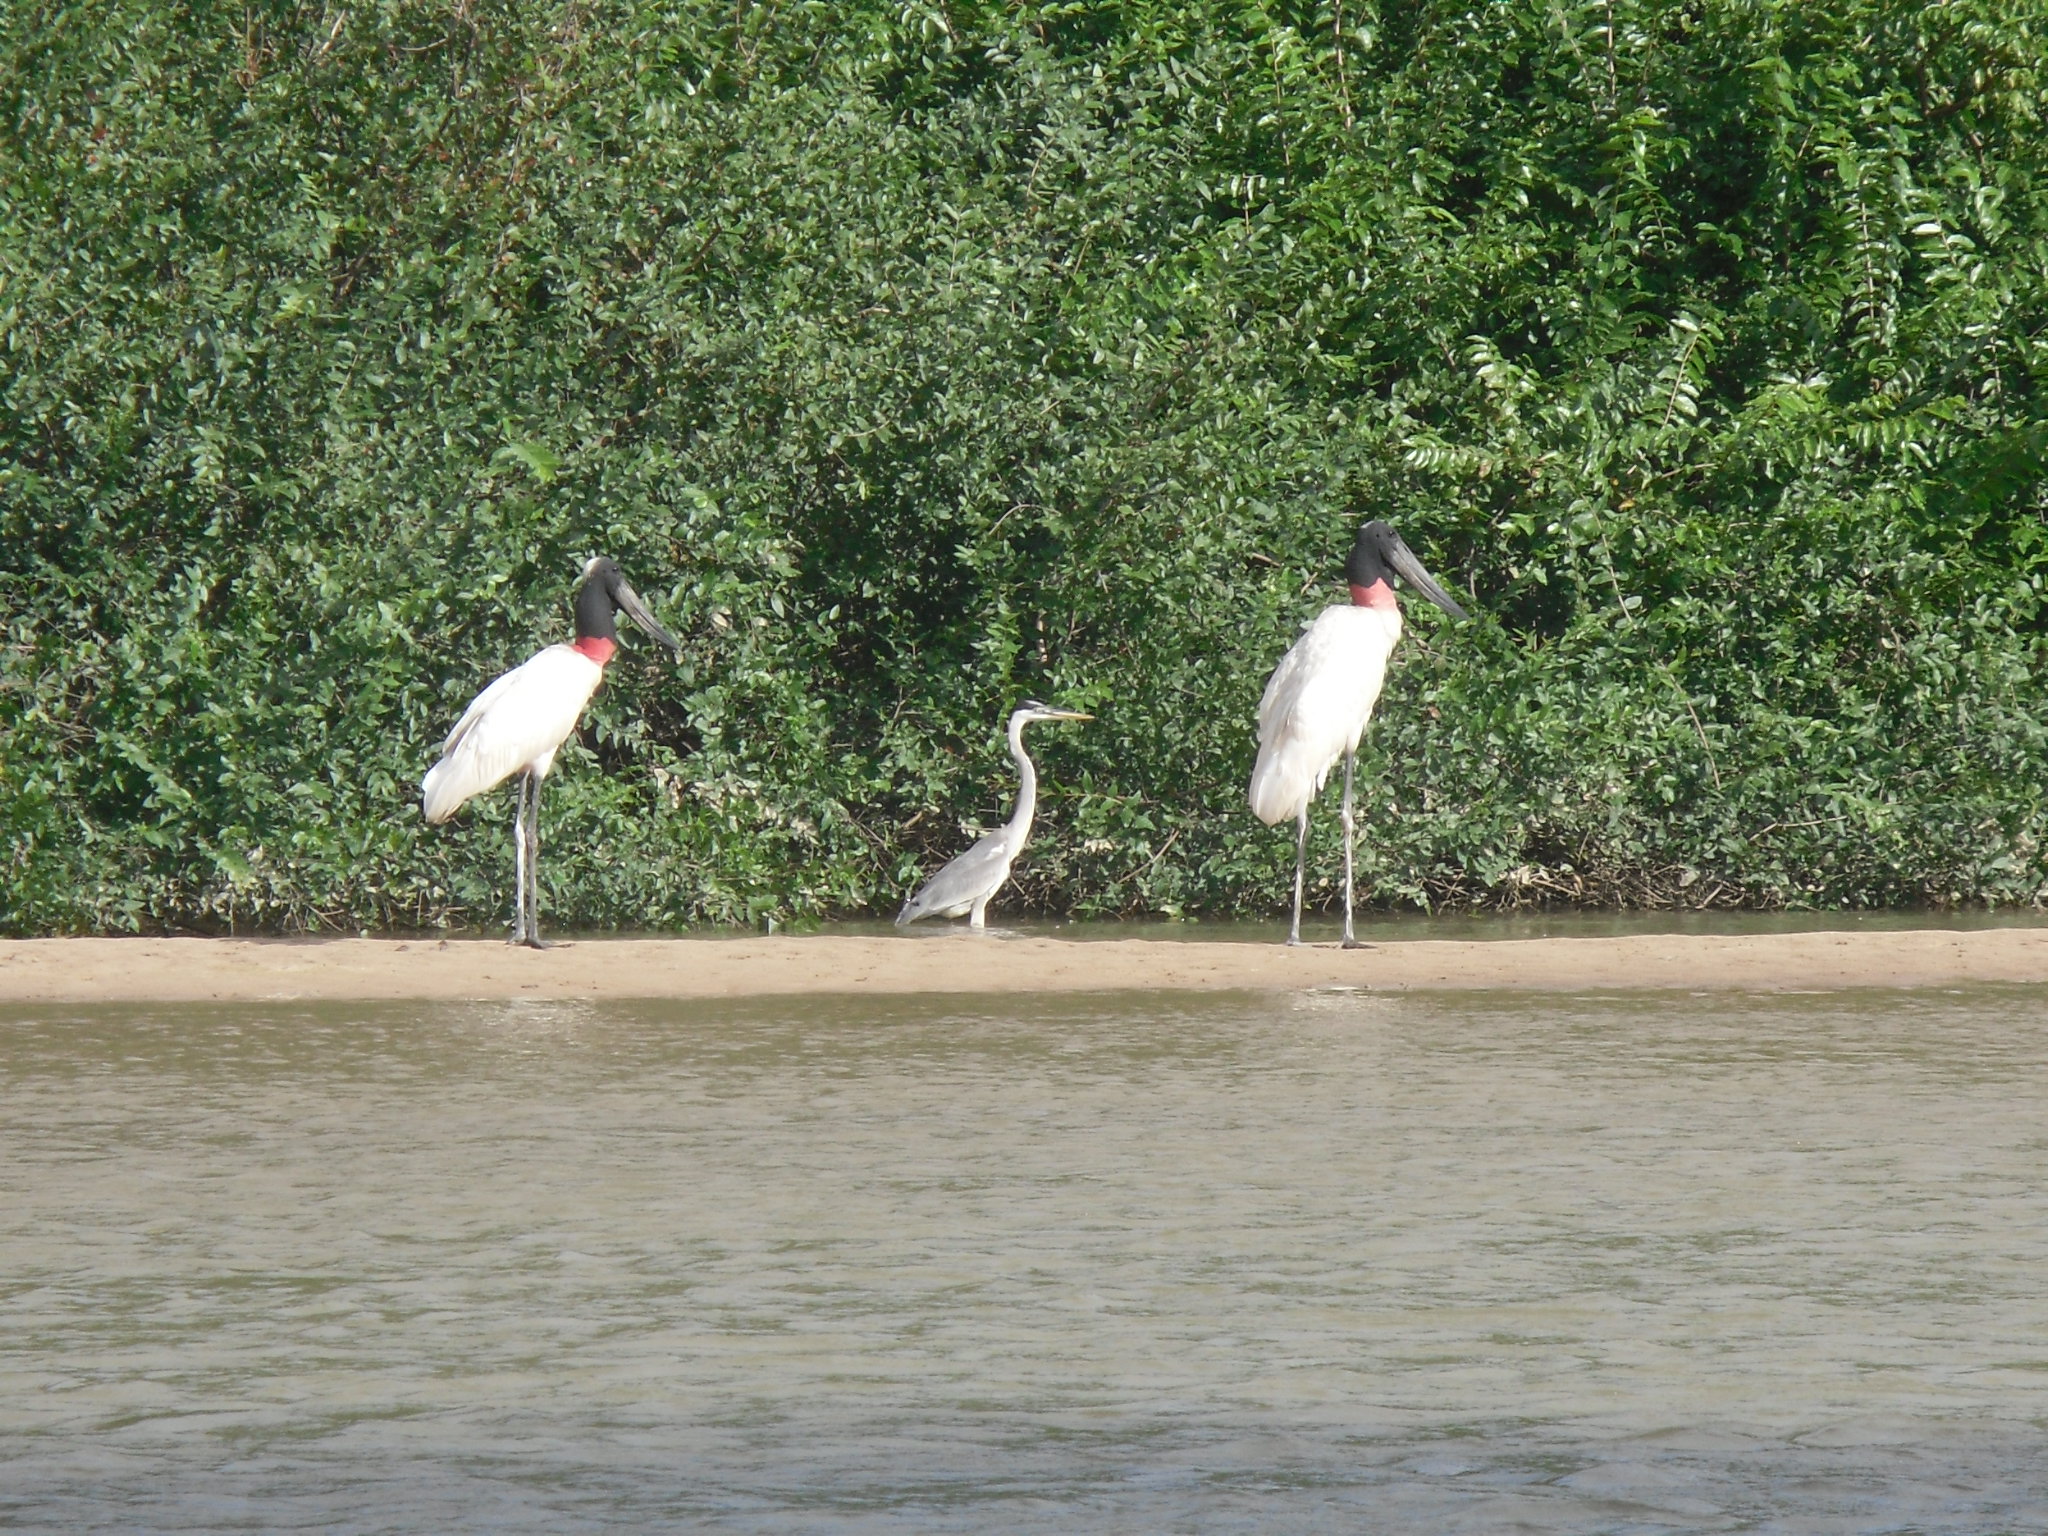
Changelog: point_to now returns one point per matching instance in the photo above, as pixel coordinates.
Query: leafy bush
(915, 359)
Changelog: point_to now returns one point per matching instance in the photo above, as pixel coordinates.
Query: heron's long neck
(1027, 783)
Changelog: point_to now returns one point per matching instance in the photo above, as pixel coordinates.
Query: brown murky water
(1131, 1263)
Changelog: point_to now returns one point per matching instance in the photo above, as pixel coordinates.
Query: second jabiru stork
(518, 724)
(1321, 695)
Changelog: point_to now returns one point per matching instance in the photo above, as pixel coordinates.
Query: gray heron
(967, 883)
(1322, 693)
(518, 724)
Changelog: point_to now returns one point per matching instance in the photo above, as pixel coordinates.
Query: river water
(1134, 1263)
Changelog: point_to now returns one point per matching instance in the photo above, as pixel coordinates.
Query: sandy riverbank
(119, 970)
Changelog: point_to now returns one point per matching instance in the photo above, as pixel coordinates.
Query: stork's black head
(604, 593)
(1379, 554)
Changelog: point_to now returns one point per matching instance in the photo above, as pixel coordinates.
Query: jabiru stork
(518, 724)
(968, 881)
(1321, 695)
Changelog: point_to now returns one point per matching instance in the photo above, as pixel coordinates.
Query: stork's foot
(1354, 944)
(533, 941)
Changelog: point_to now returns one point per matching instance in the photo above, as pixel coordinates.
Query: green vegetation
(913, 359)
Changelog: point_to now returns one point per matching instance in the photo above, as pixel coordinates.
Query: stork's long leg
(1300, 857)
(1350, 760)
(977, 917)
(533, 938)
(519, 861)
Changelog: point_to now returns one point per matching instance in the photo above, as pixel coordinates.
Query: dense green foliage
(914, 359)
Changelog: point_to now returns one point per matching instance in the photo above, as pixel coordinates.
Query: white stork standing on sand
(518, 723)
(1323, 691)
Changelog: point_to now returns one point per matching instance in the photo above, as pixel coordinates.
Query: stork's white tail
(514, 725)
(1285, 778)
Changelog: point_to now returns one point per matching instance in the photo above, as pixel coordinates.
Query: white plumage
(1320, 697)
(514, 726)
(520, 721)
(1316, 705)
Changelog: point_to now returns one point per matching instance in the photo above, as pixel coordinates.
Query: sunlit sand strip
(185, 970)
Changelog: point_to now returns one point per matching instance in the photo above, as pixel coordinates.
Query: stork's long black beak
(1410, 569)
(630, 605)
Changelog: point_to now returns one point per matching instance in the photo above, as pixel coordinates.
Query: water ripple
(1134, 1263)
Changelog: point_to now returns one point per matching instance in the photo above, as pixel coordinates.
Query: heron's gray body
(967, 882)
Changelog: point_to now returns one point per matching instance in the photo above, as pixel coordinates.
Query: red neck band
(596, 647)
(1378, 595)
